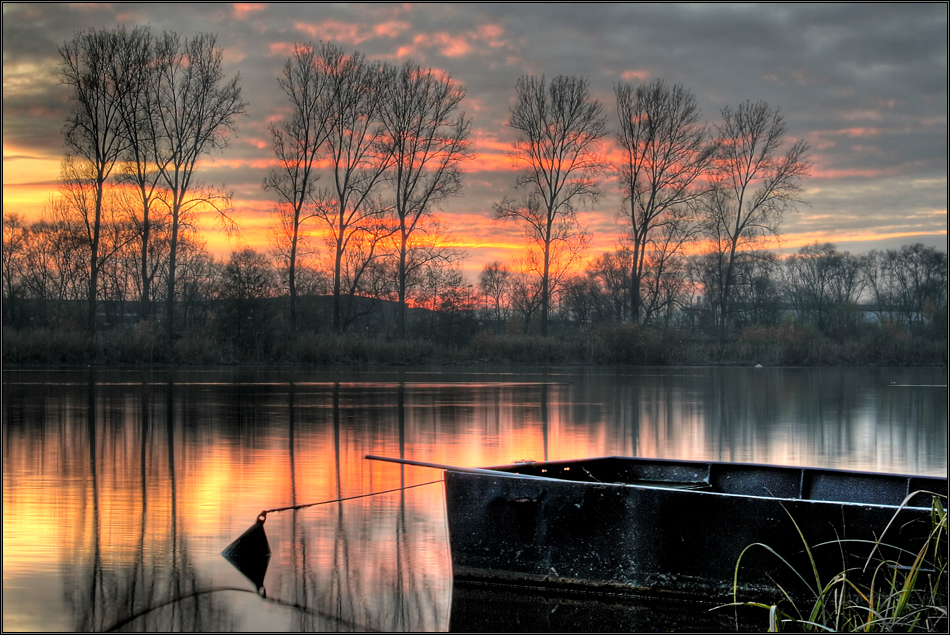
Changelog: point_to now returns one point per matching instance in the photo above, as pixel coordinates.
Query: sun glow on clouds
(256, 164)
(825, 139)
(640, 76)
(855, 144)
(455, 45)
(245, 9)
(350, 33)
(797, 240)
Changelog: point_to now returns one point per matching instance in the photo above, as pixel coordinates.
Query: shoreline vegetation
(362, 266)
(904, 595)
(789, 344)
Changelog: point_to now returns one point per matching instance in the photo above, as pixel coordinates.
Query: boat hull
(678, 528)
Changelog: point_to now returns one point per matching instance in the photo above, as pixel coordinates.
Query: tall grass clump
(885, 595)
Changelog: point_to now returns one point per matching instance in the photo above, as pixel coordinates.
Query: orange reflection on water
(137, 488)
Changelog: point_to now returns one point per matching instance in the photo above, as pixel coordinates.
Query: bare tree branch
(559, 126)
(753, 186)
(297, 142)
(197, 108)
(665, 152)
(426, 142)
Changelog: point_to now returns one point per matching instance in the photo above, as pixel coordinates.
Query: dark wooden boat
(678, 528)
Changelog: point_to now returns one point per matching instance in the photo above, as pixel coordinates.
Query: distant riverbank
(783, 345)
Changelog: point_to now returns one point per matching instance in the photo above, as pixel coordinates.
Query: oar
(452, 468)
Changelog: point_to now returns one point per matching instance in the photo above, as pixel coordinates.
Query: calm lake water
(121, 487)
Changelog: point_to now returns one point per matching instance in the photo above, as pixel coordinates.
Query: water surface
(121, 487)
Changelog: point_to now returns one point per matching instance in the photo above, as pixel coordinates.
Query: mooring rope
(355, 626)
(263, 515)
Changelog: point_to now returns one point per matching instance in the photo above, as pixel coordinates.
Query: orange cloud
(354, 34)
(634, 74)
(256, 164)
(866, 114)
(390, 29)
(798, 240)
(859, 132)
(244, 9)
(490, 162)
(456, 44)
(285, 49)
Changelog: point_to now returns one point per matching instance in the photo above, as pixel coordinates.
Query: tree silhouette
(559, 126)
(664, 153)
(298, 141)
(138, 111)
(196, 110)
(495, 282)
(907, 284)
(822, 283)
(350, 205)
(754, 183)
(426, 141)
(104, 69)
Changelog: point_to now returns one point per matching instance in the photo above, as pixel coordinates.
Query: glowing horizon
(876, 121)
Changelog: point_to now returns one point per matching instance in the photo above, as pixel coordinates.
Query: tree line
(367, 152)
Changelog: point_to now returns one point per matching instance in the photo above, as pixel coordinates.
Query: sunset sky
(865, 84)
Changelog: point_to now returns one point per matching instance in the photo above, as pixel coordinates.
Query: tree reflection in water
(121, 487)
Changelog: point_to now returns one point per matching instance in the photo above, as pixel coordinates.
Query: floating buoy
(250, 554)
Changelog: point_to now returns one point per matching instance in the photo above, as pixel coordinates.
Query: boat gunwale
(509, 471)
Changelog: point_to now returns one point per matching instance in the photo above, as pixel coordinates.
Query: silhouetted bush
(786, 344)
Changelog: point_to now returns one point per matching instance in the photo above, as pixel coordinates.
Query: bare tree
(495, 283)
(417, 262)
(664, 154)
(350, 205)
(93, 218)
(426, 141)
(15, 239)
(197, 108)
(559, 126)
(582, 300)
(297, 142)
(754, 184)
(822, 283)
(756, 289)
(138, 111)
(247, 275)
(908, 285)
(57, 256)
(366, 276)
(525, 294)
(613, 271)
(662, 287)
(103, 68)
(555, 244)
(147, 206)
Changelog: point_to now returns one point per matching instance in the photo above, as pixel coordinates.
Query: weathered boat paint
(678, 528)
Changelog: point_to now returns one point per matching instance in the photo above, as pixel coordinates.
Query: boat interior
(745, 479)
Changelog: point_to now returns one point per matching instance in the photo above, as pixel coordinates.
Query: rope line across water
(263, 515)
